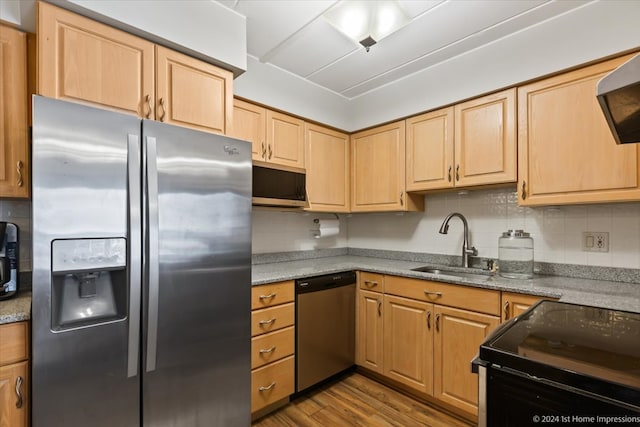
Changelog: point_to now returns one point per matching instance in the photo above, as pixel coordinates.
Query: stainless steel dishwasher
(325, 327)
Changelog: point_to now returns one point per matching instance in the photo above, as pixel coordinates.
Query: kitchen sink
(452, 273)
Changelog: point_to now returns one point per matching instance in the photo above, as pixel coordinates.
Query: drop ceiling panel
(312, 48)
(269, 23)
(415, 8)
(441, 26)
(531, 17)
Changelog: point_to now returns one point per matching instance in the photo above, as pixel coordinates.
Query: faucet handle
(472, 251)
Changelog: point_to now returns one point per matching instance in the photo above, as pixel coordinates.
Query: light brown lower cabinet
(431, 332)
(457, 337)
(514, 304)
(272, 345)
(14, 374)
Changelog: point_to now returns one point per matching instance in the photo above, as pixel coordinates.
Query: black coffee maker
(8, 259)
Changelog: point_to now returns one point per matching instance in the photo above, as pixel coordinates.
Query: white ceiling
(293, 35)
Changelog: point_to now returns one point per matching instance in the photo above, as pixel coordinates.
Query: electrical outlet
(595, 241)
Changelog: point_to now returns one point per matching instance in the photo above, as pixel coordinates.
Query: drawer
(371, 281)
(271, 383)
(273, 346)
(272, 319)
(14, 342)
(272, 294)
(459, 296)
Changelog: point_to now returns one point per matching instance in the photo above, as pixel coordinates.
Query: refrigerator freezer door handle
(135, 254)
(153, 262)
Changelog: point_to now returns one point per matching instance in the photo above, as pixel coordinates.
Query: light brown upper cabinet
(82, 60)
(485, 140)
(250, 124)
(285, 140)
(377, 171)
(14, 142)
(327, 161)
(566, 151)
(472, 143)
(192, 93)
(430, 150)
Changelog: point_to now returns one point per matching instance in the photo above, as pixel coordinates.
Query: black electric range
(561, 363)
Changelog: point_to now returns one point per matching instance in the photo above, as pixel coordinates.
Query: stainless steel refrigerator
(141, 272)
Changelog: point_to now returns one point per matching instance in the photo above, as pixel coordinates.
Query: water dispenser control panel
(88, 254)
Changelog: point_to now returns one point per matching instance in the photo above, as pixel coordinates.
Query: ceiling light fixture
(367, 22)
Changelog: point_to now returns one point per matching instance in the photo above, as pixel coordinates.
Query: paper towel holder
(317, 220)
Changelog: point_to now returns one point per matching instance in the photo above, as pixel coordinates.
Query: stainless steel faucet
(466, 250)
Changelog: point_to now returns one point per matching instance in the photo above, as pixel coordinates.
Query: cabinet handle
(19, 382)
(271, 295)
(524, 193)
(267, 350)
(506, 310)
(379, 308)
(434, 293)
(401, 199)
(164, 110)
(370, 283)
(270, 152)
(264, 151)
(438, 322)
(429, 320)
(458, 172)
(19, 170)
(147, 99)
(269, 387)
(267, 322)
(449, 173)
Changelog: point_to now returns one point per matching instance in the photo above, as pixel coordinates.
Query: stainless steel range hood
(619, 96)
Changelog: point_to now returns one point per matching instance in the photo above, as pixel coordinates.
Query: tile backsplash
(19, 212)
(557, 231)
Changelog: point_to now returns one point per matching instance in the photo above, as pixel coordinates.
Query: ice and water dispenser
(88, 282)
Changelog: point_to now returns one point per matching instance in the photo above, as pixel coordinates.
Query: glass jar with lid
(515, 254)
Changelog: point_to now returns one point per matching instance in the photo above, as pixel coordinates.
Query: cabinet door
(377, 171)
(84, 61)
(285, 139)
(14, 144)
(430, 151)
(408, 342)
(369, 333)
(485, 140)
(566, 151)
(514, 304)
(327, 164)
(192, 93)
(14, 395)
(249, 123)
(458, 335)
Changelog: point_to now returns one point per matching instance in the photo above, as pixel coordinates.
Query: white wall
(557, 231)
(292, 231)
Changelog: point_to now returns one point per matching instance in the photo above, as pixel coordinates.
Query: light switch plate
(595, 241)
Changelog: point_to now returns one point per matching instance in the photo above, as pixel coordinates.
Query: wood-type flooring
(356, 400)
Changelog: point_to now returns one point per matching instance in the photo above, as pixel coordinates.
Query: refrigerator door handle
(153, 262)
(135, 253)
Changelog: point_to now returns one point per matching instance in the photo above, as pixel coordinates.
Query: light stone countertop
(16, 309)
(598, 293)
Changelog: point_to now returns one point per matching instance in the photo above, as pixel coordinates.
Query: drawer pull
(268, 322)
(163, 111)
(370, 283)
(271, 295)
(147, 100)
(438, 322)
(436, 294)
(379, 308)
(267, 350)
(19, 392)
(267, 388)
(19, 170)
(506, 310)
(429, 320)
